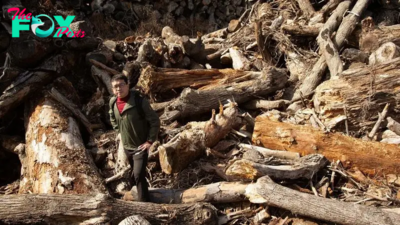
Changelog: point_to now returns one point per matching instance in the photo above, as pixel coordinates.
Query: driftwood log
(97, 209)
(370, 157)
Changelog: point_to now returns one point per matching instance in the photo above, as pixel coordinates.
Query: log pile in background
(303, 93)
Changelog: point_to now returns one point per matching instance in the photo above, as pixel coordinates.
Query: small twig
(378, 123)
(118, 175)
(313, 189)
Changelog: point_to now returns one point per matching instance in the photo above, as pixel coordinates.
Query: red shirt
(121, 103)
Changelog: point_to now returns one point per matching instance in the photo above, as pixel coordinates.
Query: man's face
(120, 88)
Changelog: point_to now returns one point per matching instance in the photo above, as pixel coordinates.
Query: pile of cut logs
(288, 115)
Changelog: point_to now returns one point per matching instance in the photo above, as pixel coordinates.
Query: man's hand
(145, 146)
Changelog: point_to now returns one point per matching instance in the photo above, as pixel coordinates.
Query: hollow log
(330, 210)
(241, 89)
(370, 157)
(386, 52)
(158, 80)
(97, 209)
(345, 29)
(30, 82)
(305, 167)
(192, 142)
(364, 91)
(221, 192)
(55, 159)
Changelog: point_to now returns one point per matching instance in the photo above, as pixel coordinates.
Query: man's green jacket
(134, 129)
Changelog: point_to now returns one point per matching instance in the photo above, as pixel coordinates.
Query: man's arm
(112, 116)
(153, 119)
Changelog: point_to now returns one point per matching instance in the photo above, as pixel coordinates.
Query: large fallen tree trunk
(305, 167)
(241, 90)
(97, 209)
(370, 157)
(330, 210)
(158, 80)
(364, 91)
(193, 142)
(221, 192)
(55, 159)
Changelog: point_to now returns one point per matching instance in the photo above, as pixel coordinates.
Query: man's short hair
(119, 77)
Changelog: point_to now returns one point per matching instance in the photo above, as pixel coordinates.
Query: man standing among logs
(138, 124)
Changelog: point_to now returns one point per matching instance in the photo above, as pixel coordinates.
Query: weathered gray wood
(325, 209)
(305, 167)
(346, 27)
(393, 125)
(95, 209)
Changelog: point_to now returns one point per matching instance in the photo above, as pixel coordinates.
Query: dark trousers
(138, 174)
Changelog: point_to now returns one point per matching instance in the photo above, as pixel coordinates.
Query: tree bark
(346, 27)
(95, 209)
(319, 208)
(364, 91)
(368, 156)
(192, 142)
(305, 167)
(55, 159)
(241, 90)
